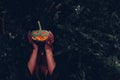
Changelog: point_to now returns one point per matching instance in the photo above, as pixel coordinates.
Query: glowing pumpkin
(39, 35)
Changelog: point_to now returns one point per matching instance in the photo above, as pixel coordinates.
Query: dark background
(87, 36)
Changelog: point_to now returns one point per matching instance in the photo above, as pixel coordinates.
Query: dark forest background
(87, 36)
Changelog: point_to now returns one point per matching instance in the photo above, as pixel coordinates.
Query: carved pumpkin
(39, 35)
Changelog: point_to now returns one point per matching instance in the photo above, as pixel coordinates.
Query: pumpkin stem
(40, 28)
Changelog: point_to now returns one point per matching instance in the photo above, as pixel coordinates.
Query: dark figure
(41, 64)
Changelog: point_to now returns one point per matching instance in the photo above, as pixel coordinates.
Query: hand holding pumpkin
(35, 46)
(49, 41)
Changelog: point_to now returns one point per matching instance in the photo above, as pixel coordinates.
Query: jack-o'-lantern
(39, 35)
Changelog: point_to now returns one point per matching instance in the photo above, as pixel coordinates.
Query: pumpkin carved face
(39, 35)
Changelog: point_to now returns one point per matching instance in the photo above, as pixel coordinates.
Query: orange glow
(35, 32)
(40, 38)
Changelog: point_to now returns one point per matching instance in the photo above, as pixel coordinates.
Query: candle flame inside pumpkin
(39, 38)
